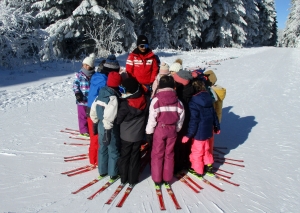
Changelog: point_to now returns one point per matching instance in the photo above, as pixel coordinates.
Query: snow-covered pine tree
(267, 34)
(66, 22)
(252, 20)
(19, 42)
(291, 34)
(225, 28)
(186, 22)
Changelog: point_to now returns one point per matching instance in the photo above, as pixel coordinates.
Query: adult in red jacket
(142, 63)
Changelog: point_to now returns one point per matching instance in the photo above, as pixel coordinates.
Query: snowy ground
(259, 126)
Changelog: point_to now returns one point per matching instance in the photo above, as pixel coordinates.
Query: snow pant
(162, 155)
(108, 155)
(82, 119)
(130, 161)
(200, 155)
(93, 149)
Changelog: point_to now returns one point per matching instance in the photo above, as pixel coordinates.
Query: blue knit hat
(111, 64)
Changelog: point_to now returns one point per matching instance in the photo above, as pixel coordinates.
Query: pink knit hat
(164, 69)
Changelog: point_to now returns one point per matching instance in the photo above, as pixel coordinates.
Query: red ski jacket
(142, 67)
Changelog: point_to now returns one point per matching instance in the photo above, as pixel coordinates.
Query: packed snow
(259, 126)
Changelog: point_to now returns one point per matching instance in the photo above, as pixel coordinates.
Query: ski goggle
(143, 46)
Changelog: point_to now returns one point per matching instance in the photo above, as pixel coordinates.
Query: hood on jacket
(203, 99)
(167, 96)
(98, 78)
(105, 93)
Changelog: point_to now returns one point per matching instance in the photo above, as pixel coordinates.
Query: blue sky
(282, 8)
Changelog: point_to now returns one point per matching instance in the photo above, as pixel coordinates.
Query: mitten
(79, 96)
(149, 139)
(185, 139)
(217, 130)
(95, 129)
(106, 137)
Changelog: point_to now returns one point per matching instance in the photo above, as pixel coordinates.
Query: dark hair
(166, 81)
(199, 85)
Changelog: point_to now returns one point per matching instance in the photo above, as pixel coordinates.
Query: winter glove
(185, 139)
(106, 137)
(149, 139)
(217, 130)
(95, 129)
(79, 96)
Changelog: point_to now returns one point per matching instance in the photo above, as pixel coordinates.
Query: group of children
(171, 108)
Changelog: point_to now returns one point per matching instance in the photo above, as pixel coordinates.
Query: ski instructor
(142, 64)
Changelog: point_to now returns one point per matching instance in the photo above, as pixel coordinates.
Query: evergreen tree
(291, 34)
(267, 35)
(67, 23)
(225, 27)
(252, 20)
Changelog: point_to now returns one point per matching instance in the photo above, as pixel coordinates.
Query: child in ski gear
(142, 64)
(217, 92)
(166, 116)
(176, 66)
(163, 70)
(104, 112)
(81, 86)
(203, 122)
(185, 91)
(98, 81)
(131, 117)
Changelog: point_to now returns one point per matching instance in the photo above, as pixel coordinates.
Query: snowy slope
(259, 126)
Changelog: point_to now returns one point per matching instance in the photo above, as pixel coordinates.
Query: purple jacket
(165, 108)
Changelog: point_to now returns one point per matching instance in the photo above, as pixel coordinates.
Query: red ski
(229, 159)
(173, 197)
(126, 194)
(227, 181)
(75, 130)
(86, 186)
(160, 199)
(75, 170)
(216, 150)
(76, 144)
(230, 163)
(78, 138)
(185, 176)
(90, 168)
(217, 169)
(76, 156)
(115, 194)
(222, 175)
(183, 180)
(105, 186)
(69, 132)
(209, 183)
(75, 159)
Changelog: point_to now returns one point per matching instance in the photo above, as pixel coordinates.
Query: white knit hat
(176, 66)
(89, 60)
(164, 69)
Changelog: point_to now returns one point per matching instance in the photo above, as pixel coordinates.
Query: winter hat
(183, 77)
(131, 85)
(176, 66)
(142, 39)
(111, 64)
(164, 69)
(212, 76)
(89, 60)
(166, 81)
(114, 79)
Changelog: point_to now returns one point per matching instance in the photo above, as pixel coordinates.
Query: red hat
(114, 79)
